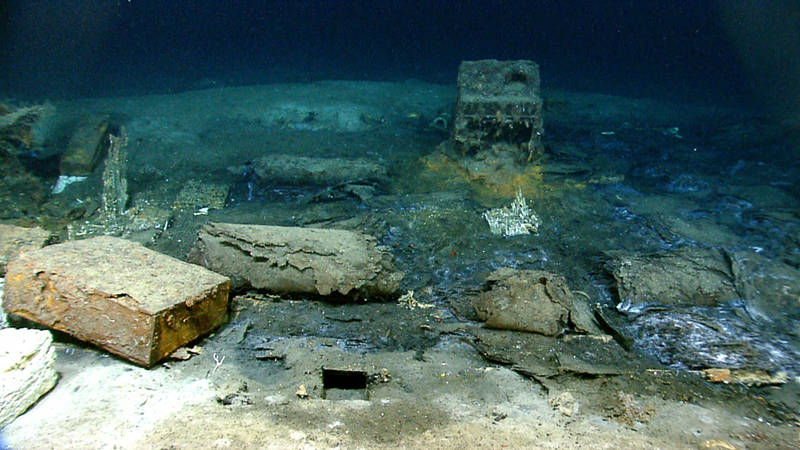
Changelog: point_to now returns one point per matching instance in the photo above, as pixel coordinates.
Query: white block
(26, 370)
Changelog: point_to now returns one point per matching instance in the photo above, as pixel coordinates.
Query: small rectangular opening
(344, 384)
(344, 379)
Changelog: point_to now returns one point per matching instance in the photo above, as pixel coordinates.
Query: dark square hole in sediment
(344, 379)
(343, 384)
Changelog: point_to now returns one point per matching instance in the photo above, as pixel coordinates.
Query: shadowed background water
(733, 51)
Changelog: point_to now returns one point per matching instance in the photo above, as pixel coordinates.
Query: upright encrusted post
(115, 183)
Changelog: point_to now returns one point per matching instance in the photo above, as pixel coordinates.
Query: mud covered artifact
(694, 276)
(86, 147)
(499, 103)
(119, 295)
(15, 240)
(534, 301)
(297, 260)
(23, 133)
(302, 170)
(25, 129)
(690, 276)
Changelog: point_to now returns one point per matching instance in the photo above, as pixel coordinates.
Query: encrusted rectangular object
(86, 147)
(296, 260)
(499, 104)
(129, 300)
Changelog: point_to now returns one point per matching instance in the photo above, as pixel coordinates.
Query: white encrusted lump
(513, 220)
(26, 370)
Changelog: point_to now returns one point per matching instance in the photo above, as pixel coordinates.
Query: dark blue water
(732, 51)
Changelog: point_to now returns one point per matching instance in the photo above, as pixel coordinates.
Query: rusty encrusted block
(132, 301)
(499, 103)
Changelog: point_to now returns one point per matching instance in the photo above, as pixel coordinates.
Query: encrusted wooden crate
(499, 103)
(129, 300)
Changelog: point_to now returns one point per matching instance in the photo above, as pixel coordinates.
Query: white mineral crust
(26, 370)
(513, 220)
